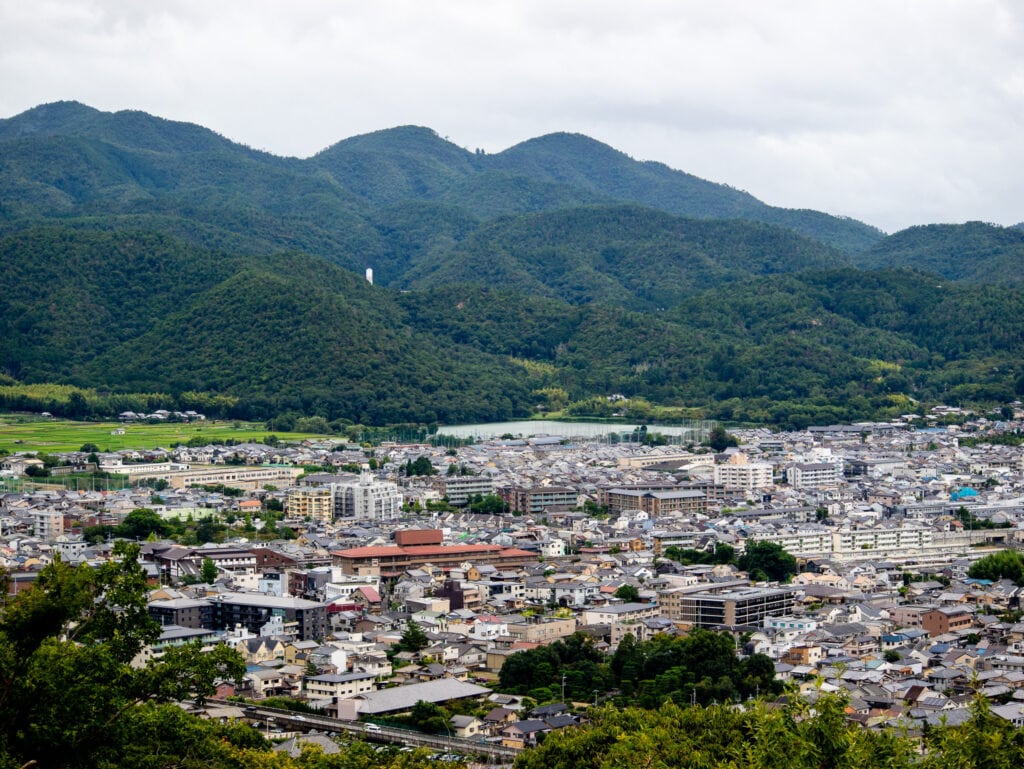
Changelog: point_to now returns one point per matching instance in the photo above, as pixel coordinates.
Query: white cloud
(894, 111)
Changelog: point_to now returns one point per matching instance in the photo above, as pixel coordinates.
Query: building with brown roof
(392, 560)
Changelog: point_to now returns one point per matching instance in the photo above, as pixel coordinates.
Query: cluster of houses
(884, 522)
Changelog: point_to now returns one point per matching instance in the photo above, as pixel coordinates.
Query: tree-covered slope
(66, 158)
(975, 251)
(69, 295)
(299, 335)
(143, 312)
(588, 164)
(625, 255)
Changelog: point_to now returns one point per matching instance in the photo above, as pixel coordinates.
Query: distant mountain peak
(50, 117)
(399, 138)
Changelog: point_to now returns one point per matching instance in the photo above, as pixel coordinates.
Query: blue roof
(961, 493)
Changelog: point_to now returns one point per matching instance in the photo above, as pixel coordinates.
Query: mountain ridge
(146, 254)
(383, 167)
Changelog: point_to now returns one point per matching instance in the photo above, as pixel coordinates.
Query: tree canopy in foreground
(795, 736)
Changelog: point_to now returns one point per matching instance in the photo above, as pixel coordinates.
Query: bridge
(486, 752)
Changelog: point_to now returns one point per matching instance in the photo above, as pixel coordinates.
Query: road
(492, 753)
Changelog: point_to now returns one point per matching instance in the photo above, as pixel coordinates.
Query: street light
(447, 728)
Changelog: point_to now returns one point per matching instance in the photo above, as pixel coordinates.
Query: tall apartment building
(253, 611)
(367, 500)
(657, 503)
(47, 524)
(316, 504)
(813, 475)
(740, 473)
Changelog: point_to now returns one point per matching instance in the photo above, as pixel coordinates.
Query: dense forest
(150, 263)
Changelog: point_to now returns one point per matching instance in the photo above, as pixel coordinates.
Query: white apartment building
(891, 541)
(740, 473)
(813, 475)
(367, 500)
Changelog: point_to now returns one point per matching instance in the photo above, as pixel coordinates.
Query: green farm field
(21, 433)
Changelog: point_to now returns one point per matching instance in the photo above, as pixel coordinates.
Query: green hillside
(146, 256)
(582, 162)
(975, 251)
(625, 255)
(67, 158)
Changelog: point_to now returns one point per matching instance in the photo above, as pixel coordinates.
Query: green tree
(142, 522)
(428, 717)
(208, 571)
(768, 559)
(490, 504)
(413, 638)
(69, 696)
(628, 593)
(1006, 564)
(78, 407)
(720, 440)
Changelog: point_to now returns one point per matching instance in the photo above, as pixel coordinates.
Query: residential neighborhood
(509, 544)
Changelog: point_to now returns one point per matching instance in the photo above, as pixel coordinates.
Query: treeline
(699, 668)
(81, 404)
(796, 734)
(763, 561)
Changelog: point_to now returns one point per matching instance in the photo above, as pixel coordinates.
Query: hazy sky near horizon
(893, 112)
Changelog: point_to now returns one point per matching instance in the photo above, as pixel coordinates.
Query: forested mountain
(144, 255)
(975, 251)
(636, 257)
(66, 158)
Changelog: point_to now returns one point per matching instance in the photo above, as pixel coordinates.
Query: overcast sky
(896, 113)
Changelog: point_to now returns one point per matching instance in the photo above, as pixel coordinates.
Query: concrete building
(939, 621)
(249, 478)
(367, 500)
(731, 608)
(47, 525)
(458, 489)
(307, 619)
(183, 612)
(535, 500)
(657, 502)
(813, 475)
(739, 473)
(316, 504)
(392, 560)
(622, 612)
(542, 629)
(338, 686)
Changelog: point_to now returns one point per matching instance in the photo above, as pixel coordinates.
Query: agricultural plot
(21, 433)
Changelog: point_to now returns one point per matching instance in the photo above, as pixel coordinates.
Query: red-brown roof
(384, 551)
